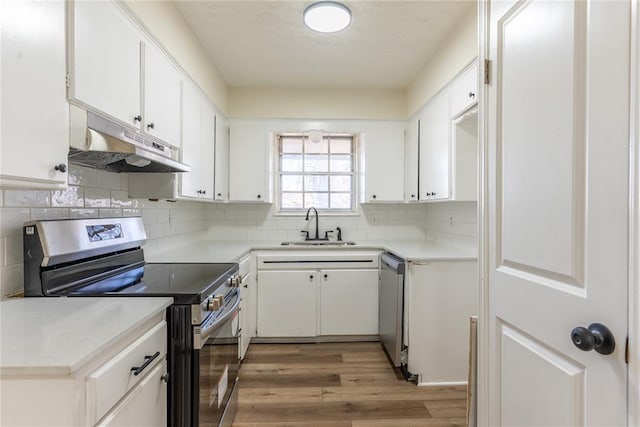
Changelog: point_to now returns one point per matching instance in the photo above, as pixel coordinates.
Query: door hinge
(67, 83)
(626, 351)
(487, 71)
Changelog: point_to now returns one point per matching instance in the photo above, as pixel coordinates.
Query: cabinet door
(105, 60)
(161, 96)
(190, 151)
(411, 160)
(34, 126)
(221, 181)
(464, 91)
(287, 303)
(207, 148)
(145, 405)
(248, 157)
(383, 153)
(348, 302)
(434, 149)
(247, 313)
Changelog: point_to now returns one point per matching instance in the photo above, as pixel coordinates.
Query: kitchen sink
(317, 243)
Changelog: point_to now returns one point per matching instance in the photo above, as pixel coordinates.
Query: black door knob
(151, 126)
(61, 167)
(597, 337)
(137, 118)
(374, 196)
(472, 95)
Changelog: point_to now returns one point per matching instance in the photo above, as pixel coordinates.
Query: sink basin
(317, 243)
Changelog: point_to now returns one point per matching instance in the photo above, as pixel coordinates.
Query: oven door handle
(202, 334)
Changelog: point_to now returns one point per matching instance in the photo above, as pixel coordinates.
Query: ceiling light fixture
(327, 17)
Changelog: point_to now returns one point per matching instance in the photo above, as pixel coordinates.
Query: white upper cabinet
(34, 126)
(434, 149)
(411, 160)
(104, 60)
(221, 182)
(161, 117)
(382, 165)
(464, 91)
(111, 60)
(198, 139)
(464, 161)
(250, 169)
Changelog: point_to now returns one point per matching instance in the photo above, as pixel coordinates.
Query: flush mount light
(327, 17)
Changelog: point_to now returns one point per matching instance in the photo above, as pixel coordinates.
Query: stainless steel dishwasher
(391, 306)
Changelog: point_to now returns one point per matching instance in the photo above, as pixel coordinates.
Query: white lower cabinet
(145, 405)
(441, 296)
(287, 303)
(348, 302)
(105, 391)
(247, 305)
(317, 293)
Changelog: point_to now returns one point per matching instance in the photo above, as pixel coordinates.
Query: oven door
(216, 363)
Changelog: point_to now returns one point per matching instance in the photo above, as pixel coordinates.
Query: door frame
(633, 386)
(633, 379)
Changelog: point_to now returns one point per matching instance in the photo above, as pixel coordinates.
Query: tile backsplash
(91, 194)
(95, 194)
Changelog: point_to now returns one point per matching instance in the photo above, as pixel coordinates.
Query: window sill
(323, 214)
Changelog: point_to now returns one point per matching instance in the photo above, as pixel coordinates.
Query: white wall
(163, 20)
(456, 51)
(91, 194)
(245, 222)
(337, 103)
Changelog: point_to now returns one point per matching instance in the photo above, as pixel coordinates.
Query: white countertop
(232, 251)
(57, 336)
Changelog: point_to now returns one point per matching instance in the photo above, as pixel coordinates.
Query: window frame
(353, 210)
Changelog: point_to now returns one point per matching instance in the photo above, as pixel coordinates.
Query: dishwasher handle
(392, 262)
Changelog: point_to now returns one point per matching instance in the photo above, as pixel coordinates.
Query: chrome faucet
(317, 237)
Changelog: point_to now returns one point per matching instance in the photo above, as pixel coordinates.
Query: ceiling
(265, 43)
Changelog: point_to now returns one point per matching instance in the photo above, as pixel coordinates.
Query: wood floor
(337, 385)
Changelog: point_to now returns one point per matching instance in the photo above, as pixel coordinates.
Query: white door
(557, 162)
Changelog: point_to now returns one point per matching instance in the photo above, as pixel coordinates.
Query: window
(319, 174)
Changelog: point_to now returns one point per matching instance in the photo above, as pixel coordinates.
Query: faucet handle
(339, 230)
(306, 237)
(326, 234)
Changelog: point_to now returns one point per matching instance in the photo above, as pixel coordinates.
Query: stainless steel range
(104, 257)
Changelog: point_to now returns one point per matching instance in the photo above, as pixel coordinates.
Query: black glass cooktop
(187, 283)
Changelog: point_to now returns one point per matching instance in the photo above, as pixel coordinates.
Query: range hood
(102, 144)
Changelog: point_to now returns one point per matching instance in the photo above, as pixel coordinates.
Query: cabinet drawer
(109, 383)
(146, 405)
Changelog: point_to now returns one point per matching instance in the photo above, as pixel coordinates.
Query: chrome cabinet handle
(137, 370)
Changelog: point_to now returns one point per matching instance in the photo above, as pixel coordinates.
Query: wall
(245, 222)
(455, 52)
(315, 103)
(163, 20)
(452, 220)
(91, 194)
